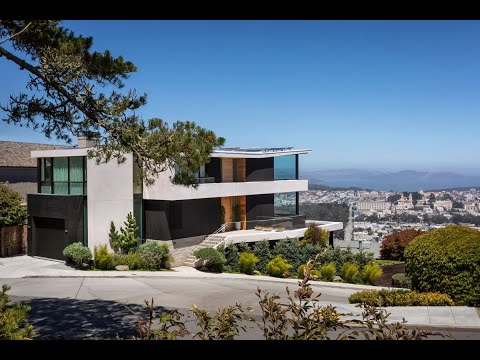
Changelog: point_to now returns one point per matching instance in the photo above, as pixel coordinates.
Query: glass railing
(269, 223)
(206, 180)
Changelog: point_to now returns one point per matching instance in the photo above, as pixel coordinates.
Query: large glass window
(285, 167)
(46, 176)
(63, 176)
(285, 204)
(76, 176)
(60, 176)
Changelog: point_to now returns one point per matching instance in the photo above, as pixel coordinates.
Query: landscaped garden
(287, 258)
(442, 266)
(128, 255)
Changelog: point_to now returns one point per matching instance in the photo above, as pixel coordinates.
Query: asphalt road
(94, 308)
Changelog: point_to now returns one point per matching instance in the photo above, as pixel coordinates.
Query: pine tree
(128, 238)
(114, 237)
(13, 319)
(67, 96)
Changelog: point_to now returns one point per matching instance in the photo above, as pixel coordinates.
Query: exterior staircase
(209, 242)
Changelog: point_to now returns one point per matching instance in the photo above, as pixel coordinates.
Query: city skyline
(386, 95)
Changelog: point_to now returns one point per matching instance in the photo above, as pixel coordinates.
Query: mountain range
(405, 180)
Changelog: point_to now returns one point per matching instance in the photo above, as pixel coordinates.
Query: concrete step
(209, 242)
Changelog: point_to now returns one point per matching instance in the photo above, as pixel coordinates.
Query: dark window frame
(42, 163)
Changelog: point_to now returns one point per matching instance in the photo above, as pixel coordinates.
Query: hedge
(446, 260)
(400, 298)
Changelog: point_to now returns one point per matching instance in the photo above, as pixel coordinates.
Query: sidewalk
(437, 316)
(26, 266)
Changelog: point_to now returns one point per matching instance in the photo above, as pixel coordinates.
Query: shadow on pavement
(71, 319)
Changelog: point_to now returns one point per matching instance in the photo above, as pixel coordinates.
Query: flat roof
(238, 152)
(219, 153)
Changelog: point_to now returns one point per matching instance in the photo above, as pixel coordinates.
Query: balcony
(163, 189)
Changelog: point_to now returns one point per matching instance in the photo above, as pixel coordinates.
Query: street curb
(223, 276)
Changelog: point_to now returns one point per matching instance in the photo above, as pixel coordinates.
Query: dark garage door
(50, 239)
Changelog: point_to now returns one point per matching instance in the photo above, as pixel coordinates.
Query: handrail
(223, 227)
(220, 229)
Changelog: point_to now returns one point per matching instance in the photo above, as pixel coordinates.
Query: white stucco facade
(163, 189)
(109, 197)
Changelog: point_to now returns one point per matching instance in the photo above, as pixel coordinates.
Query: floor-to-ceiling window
(46, 175)
(60, 176)
(63, 176)
(76, 181)
(285, 167)
(285, 204)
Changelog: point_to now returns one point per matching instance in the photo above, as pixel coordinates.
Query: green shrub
(401, 281)
(261, 249)
(156, 255)
(446, 260)
(231, 255)
(296, 254)
(370, 273)
(78, 254)
(315, 235)
(400, 298)
(313, 273)
(102, 258)
(350, 272)
(278, 266)
(134, 261)
(12, 212)
(339, 257)
(301, 271)
(328, 271)
(13, 319)
(290, 250)
(309, 252)
(215, 259)
(247, 263)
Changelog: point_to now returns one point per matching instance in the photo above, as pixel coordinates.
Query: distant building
(373, 205)
(470, 206)
(404, 203)
(445, 204)
(17, 168)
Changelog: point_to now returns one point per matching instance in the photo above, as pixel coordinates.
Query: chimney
(86, 141)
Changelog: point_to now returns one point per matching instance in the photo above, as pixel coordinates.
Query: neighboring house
(79, 198)
(17, 168)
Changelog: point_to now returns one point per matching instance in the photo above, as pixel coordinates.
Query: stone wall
(388, 272)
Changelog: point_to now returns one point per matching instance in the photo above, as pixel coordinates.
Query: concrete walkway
(25, 266)
(28, 268)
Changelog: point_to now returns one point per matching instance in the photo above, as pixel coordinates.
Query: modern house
(78, 199)
(17, 168)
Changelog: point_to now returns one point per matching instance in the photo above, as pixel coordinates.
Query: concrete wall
(163, 189)
(109, 197)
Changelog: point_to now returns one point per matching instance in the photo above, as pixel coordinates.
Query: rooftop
(18, 154)
(257, 152)
(233, 152)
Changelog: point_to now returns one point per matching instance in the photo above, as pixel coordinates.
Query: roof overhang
(256, 154)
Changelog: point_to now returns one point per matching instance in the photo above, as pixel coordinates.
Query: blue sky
(361, 94)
